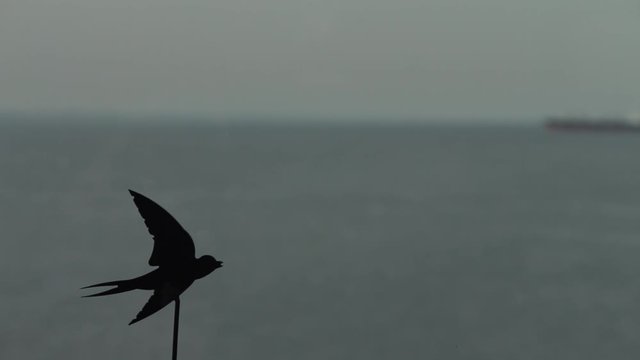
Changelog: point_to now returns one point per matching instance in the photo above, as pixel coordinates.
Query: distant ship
(587, 123)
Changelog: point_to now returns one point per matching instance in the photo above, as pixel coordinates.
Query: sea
(380, 241)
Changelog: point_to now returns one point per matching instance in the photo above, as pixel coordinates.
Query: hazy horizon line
(98, 117)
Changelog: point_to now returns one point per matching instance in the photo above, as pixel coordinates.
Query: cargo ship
(594, 124)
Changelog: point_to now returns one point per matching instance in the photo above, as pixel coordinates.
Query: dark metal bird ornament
(174, 255)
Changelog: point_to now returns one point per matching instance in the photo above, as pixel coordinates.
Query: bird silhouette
(174, 255)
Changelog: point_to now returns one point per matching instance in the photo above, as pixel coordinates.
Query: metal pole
(176, 320)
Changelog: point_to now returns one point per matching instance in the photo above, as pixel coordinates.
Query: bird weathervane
(177, 266)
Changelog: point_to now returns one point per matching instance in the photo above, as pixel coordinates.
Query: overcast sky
(321, 58)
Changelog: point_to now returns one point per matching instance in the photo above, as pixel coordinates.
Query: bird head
(206, 264)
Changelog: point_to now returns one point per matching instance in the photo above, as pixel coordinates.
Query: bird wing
(161, 297)
(172, 244)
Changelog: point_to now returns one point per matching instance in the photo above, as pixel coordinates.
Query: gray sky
(321, 58)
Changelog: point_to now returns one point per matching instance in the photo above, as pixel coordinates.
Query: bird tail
(120, 286)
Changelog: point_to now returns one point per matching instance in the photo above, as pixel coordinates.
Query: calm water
(338, 242)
